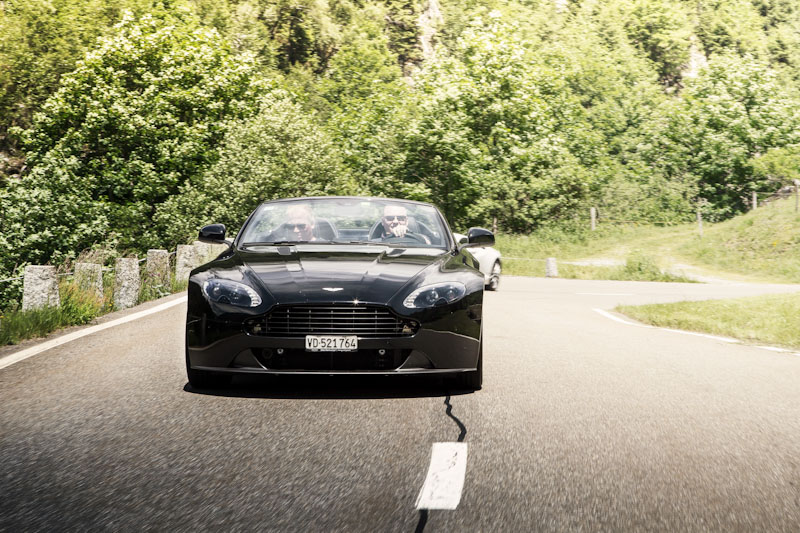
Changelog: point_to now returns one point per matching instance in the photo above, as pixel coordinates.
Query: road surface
(584, 423)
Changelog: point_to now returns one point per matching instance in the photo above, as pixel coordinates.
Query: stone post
(40, 288)
(126, 283)
(700, 223)
(755, 200)
(89, 277)
(202, 252)
(157, 269)
(185, 261)
(551, 268)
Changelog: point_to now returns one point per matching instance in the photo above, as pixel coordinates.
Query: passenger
(299, 225)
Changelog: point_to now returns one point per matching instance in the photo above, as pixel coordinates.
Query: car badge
(332, 289)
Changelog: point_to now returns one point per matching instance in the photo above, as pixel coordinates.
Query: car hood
(323, 274)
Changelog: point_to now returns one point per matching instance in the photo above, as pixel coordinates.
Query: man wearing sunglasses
(395, 223)
(299, 225)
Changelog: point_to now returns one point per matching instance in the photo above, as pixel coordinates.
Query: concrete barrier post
(185, 261)
(700, 223)
(89, 277)
(157, 269)
(551, 268)
(126, 283)
(203, 251)
(40, 288)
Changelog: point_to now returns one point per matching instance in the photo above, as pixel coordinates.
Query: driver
(299, 225)
(394, 223)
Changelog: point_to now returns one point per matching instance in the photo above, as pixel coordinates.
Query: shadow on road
(333, 387)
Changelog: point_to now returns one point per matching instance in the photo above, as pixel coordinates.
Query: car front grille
(299, 321)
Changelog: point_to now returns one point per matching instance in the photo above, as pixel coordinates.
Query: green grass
(762, 245)
(772, 319)
(77, 307)
(637, 267)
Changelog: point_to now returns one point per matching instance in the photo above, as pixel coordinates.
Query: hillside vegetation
(761, 245)
(127, 124)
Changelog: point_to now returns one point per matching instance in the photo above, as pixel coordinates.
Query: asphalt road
(584, 423)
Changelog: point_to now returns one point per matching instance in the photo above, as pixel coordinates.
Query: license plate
(331, 343)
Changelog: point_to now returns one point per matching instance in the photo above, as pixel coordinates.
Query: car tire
(494, 277)
(473, 380)
(201, 379)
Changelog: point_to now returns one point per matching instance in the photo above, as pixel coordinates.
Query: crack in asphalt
(459, 423)
(423, 513)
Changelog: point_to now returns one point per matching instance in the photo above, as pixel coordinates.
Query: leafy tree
(140, 116)
(280, 152)
(733, 112)
(491, 135)
(41, 40)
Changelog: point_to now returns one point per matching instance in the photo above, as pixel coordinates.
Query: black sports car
(337, 285)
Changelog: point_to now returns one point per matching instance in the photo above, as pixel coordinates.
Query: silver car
(489, 260)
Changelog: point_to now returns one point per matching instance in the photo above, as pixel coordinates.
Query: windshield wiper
(273, 243)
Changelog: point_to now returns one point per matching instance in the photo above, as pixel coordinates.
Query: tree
(280, 152)
(491, 134)
(733, 112)
(140, 116)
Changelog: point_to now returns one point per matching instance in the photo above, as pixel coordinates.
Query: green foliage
(77, 307)
(139, 117)
(732, 112)
(772, 319)
(40, 41)
(491, 134)
(279, 152)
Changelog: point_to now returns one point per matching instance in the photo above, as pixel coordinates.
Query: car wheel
(473, 380)
(494, 277)
(200, 379)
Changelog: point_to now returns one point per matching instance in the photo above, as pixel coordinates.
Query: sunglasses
(399, 218)
(292, 227)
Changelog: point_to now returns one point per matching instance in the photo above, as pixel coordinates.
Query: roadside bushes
(279, 152)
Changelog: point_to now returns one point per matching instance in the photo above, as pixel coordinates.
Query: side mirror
(479, 237)
(460, 239)
(213, 234)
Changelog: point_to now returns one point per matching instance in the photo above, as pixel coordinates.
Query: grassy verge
(762, 245)
(637, 267)
(77, 307)
(772, 319)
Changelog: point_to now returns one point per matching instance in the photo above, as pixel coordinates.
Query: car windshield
(346, 220)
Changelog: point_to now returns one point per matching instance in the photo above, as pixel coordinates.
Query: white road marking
(445, 479)
(16, 357)
(606, 293)
(693, 333)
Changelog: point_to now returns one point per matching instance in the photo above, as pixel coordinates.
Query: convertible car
(338, 285)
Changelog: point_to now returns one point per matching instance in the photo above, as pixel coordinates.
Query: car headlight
(435, 295)
(225, 291)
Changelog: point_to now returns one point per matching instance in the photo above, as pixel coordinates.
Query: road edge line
(21, 355)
